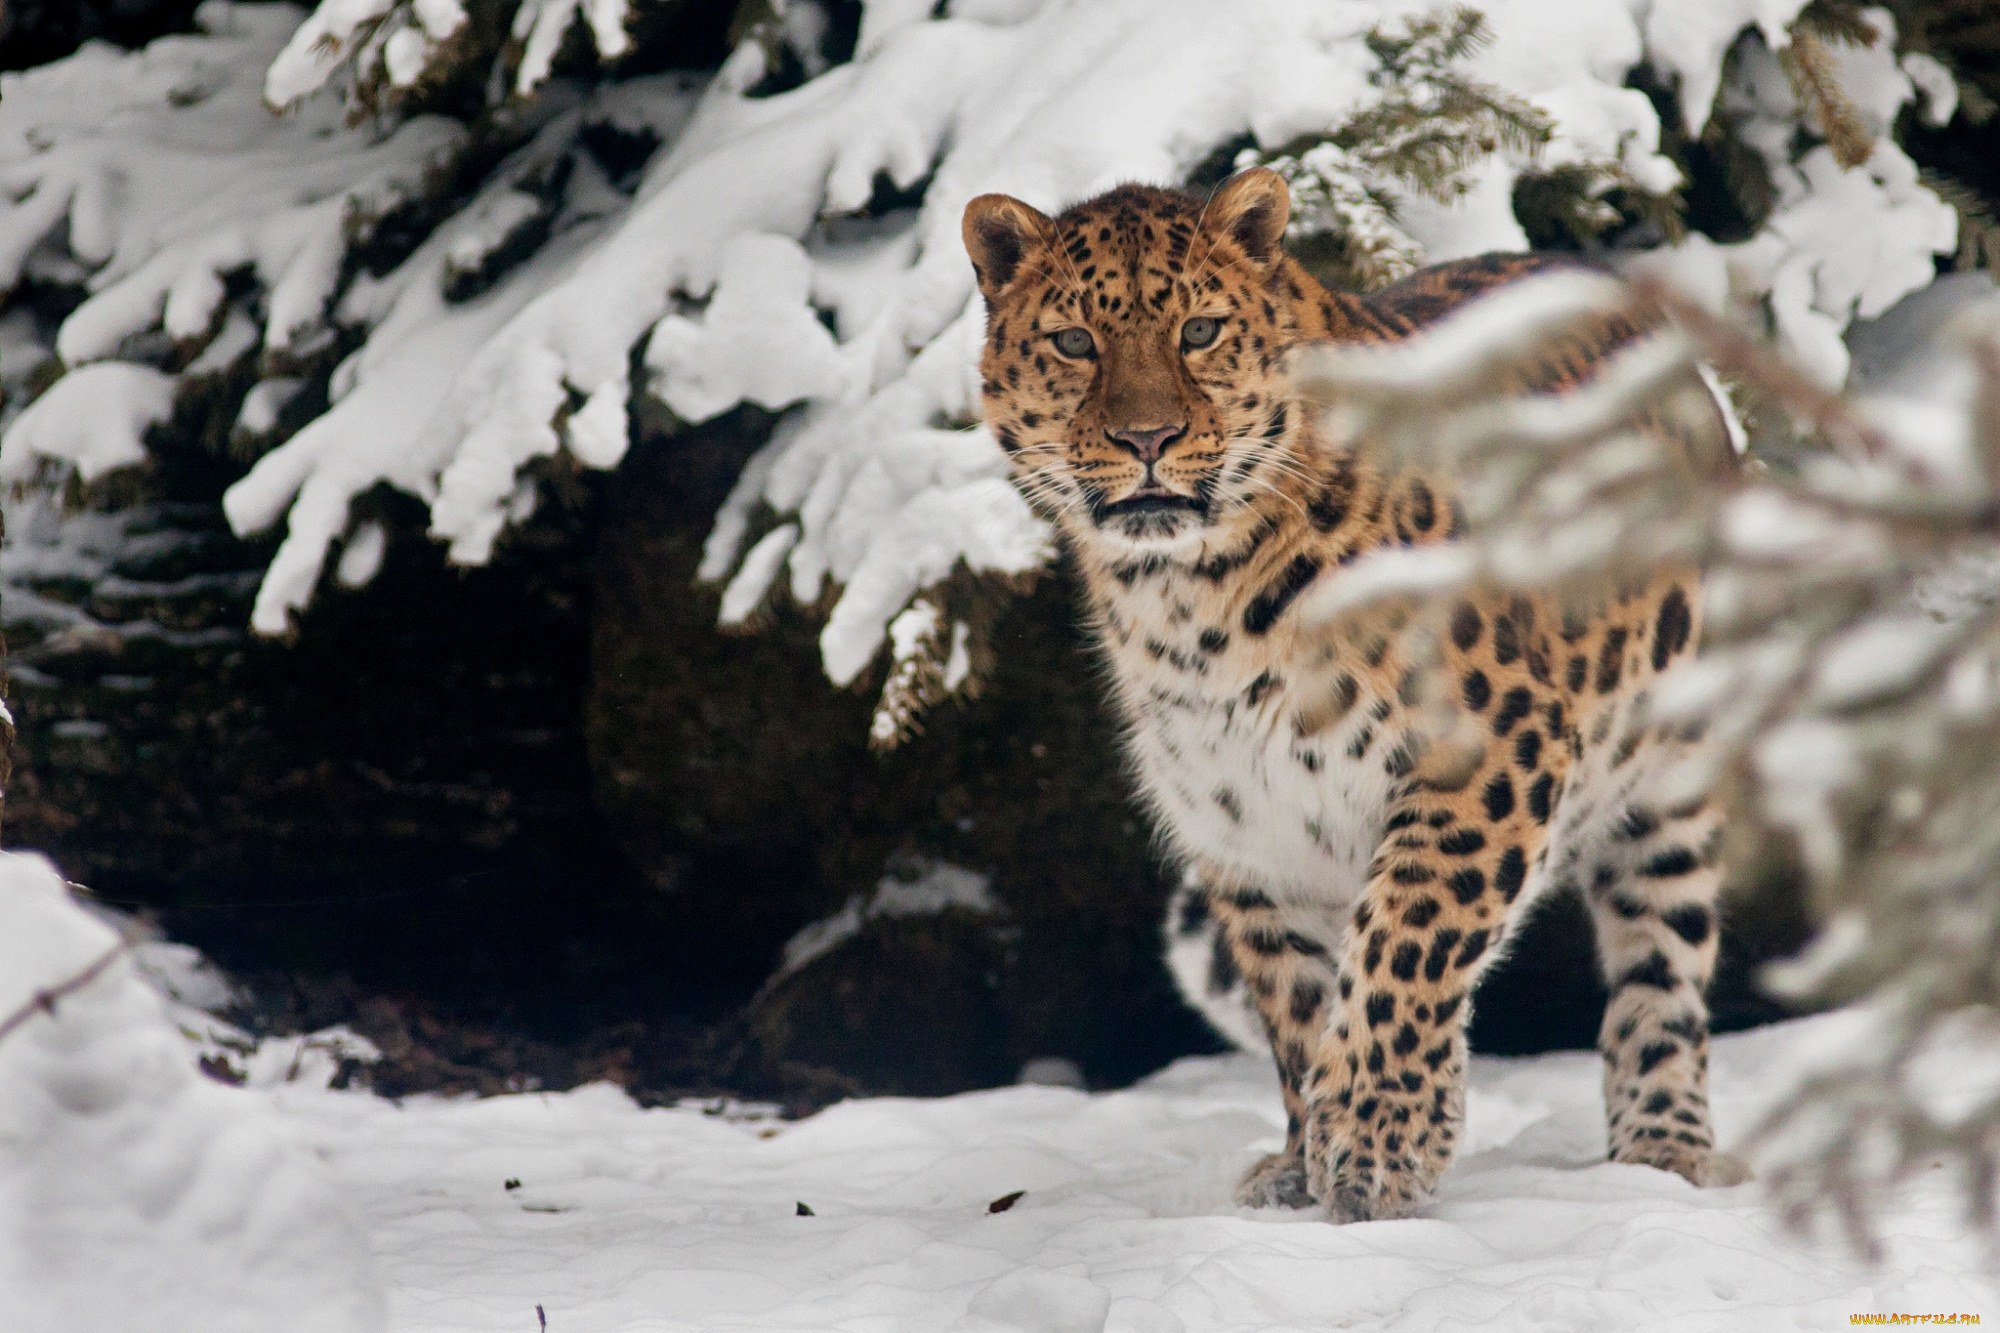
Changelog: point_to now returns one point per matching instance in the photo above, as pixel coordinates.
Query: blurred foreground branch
(1849, 685)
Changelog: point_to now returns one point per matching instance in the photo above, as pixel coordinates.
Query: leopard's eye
(1075, 343)
(1199, 331)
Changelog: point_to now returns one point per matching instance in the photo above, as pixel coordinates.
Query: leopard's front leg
(1285, 954)
(1386, 1095)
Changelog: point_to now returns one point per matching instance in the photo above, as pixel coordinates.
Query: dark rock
(741, 783)
(909, 1006)
(398, 794)
(33, 32)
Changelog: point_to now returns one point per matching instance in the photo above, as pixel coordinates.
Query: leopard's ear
(999, 231)
(1251, 209)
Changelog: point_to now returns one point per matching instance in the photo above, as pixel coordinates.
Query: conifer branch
(1431, 125)
(1978, 227)
(1816, 79)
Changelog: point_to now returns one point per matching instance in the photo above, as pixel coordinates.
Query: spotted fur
(1350, 871)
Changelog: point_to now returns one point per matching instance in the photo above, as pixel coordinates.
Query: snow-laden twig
(44, 1000)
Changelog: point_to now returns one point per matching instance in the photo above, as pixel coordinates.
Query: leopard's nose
(1148, 445)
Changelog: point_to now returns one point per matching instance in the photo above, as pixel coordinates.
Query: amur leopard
(1354, 878)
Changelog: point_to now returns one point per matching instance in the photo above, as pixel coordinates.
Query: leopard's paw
(1376, 1155)
(1704, 1167)
(1277, 1181)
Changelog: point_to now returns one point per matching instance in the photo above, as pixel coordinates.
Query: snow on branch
(1850, 703)
(387, 47)
(160, 175)
(793, 241)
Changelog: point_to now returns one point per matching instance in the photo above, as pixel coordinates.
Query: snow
(757, 341)
(1853, 242)
(1877, 657)
(1914, 351)
(1688, 42)
(266, 399)
(170, 174)
(401, 37)
(140, 1195)
(95, 418)
(361, 556)
(1931, 79)
(1764, 524)
(931, 888)
(670, 1219)
(1912, 376)
(1842, 242)
(1380, 575)
(319, 46)
(396, 396)
(542, 24)
(134, 1193)
(746, 593)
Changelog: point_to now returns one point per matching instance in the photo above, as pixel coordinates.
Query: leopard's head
(1133, 360)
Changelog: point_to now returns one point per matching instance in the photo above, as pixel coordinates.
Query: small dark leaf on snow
(218, 1068)
(512, 1184)
(1005, 1201)
(805, 1211)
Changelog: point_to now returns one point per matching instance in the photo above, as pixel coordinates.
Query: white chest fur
(1216, 753)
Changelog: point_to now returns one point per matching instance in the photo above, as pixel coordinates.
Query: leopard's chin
(1151, 532)
(1151, 518)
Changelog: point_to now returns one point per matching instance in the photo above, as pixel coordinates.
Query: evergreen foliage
(1965, 36)
(558, 133)
(558, 129)
(1829, 110)
(1978, 227)
(1432, 125)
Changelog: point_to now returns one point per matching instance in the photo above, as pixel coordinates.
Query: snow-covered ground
(629, 1219)
(679, 1219)
(136, 1195)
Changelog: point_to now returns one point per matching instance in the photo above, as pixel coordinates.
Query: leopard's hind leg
(1648, 870)
(1280, 956)
(1203, 965)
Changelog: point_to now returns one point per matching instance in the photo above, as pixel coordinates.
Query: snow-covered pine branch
(792, 241)
(384, 49)
(1849, 685)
